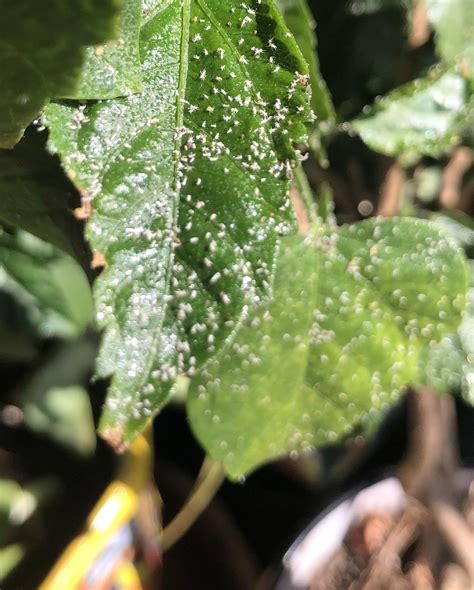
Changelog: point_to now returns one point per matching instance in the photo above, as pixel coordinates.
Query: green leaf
(246, 404)
(459, 226)
(189, 187)
(41, 53)
(10, 556)
(54, 401)
(453, 21)
(18, 338)
(390, 287)
(50, 285)
(377, 293)
(113, 69)
(37, 197)
(448, 365)
(424, 117)
(300, 21)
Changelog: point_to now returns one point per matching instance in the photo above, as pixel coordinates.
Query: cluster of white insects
(359, 313)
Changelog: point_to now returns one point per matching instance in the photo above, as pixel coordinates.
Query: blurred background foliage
(393, 93)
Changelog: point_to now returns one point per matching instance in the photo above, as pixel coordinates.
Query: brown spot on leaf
(85, 210)
(114, 437)
(98, 260)
(81, 214)
(300, 211)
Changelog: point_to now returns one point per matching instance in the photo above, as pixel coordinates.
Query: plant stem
(208, 482)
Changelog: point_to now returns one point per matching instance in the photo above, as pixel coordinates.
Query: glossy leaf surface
(188, 184)
(113, 69)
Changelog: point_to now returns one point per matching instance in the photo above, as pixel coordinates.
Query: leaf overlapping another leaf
(299, 20)
(36, 197)
(41, 52)
(188, 183)
(113, 69)
(247, 403)
(349, 317)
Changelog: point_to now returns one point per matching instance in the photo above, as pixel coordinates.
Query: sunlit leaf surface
(188, 185)
(298, 17)
(113, 69)
(453, 22)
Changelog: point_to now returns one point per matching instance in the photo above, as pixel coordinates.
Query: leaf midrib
(180, 98)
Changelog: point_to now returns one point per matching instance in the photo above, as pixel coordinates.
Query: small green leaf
(424, 117)
(453, 21)
(113, 69)
(188, 182)
(41, 53)
(50, 285)
(341, 338)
